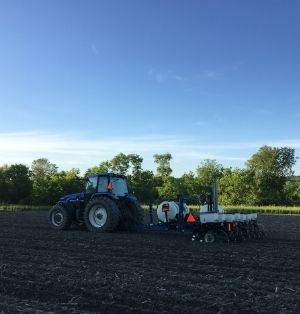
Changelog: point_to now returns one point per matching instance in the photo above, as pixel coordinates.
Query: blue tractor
(104, 206)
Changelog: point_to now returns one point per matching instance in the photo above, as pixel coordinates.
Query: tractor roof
(107, 174)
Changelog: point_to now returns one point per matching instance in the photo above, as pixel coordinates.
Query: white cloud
(177, 77)
(94, 49)
(214, 121)
(162, 76)
(80, 151)
(211, 75)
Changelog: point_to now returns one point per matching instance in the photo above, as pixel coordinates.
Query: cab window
(91, 185)
(119, 186)
(102, 185)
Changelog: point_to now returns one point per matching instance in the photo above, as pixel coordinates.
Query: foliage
(237, 187)
(65, 182)
(190, 185)
(292, 192)
(271, 167)
(163, 164)
(15, 183)
(104, 166)
(267, 180)
(142, 183)
(20, 207)
(49, 184)
(208, 172)
(169, 188)
(42, 174)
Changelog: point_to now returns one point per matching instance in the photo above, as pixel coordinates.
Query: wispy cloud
(213, 121)
(235, 66)
(161, 76)
(94, 49)
(211, 75)
(177, 77)
(72, 150)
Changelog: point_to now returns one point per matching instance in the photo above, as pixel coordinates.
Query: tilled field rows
(45, 271)
(281, 226)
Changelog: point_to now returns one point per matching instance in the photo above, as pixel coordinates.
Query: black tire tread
(67, 217)
(132, 215)
(112, 212)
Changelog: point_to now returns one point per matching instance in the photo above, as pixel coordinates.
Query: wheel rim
(209, 237)
(98, 216)
(57, 218)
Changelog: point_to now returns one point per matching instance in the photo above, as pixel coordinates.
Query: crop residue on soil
(47, 271)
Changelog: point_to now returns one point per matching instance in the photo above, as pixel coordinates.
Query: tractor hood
(71, 197)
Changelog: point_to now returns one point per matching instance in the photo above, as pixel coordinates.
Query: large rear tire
(132, 215)
(59, 218)
(101, 215)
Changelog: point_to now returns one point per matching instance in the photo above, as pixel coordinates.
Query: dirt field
(281, 226)
(45, 271)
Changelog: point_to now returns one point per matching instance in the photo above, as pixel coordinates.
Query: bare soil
(75, 271)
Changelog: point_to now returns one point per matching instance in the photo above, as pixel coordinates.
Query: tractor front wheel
(59, 218)
(101, 215)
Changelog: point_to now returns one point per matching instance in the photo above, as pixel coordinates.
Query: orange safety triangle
(191, 219)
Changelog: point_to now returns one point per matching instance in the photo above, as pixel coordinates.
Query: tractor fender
(69, 207)
(108, 195)
(131, 197)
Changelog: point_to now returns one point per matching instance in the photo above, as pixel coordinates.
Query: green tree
(19, 183)
(15, 184)
(4, 184)
(189, 185)
(135, 162)
(271, 168)
(62, 183)
(42, 171)
(120, 164)
(163, 164)
(104, 166)
(143, 184)
(208, 172)
(292, 191)
(237, 187)
(43, 167)
(169, 189)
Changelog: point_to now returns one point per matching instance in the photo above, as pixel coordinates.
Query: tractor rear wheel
(132, 215)
(59, 218)
(101, 215)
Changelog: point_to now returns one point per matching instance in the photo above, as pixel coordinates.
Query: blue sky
(81, 81)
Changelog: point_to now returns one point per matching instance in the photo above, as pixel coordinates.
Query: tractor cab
(114, 184)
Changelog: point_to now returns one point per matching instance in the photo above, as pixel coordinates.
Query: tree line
(267, 179)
